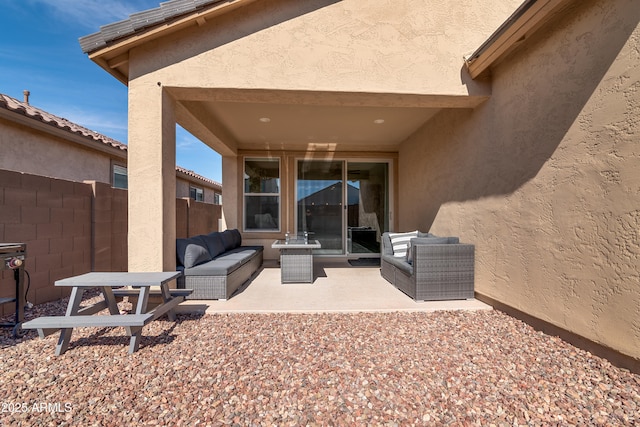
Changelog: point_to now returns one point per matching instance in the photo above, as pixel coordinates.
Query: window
(196, 194)
(217, 198)
(120, 177)
(262, 194)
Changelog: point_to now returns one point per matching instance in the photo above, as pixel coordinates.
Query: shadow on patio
(337, 287)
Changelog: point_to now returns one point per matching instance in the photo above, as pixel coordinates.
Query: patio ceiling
(295, 127)
(233, 119)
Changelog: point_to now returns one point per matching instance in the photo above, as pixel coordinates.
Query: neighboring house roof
(195, 175)
(90, 138)
(13, 105)
(140, 22)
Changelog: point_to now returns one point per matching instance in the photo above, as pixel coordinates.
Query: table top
(119, 278)
(296, 244)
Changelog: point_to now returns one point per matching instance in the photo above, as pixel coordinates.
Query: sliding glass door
(367, 206)
(343, 204)
(320, 204)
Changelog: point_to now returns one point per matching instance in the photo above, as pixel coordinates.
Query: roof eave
(523, 23)
(113, 55)
(85, 141)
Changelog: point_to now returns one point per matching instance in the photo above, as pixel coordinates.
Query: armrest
(448, 257)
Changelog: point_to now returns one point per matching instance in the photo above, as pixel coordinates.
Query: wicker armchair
(441, 268)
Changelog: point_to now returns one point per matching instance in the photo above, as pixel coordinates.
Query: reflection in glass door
(343, 204)
(320, 203)
(367, 206)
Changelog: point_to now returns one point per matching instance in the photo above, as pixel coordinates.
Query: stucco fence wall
(72, 228)
(544, 177)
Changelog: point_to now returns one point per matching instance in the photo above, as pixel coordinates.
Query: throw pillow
(399, 242)
(192, 251)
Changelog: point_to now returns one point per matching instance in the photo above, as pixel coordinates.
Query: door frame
(345, 161)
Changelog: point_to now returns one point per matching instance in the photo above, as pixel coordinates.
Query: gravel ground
(447, 368)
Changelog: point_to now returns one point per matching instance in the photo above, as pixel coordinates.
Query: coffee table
(296, 260)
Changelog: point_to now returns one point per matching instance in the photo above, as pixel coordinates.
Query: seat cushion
(192, 251)
(400, 263)
(243, 254)
(216, 267)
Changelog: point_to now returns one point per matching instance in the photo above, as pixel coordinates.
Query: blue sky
(39, 52)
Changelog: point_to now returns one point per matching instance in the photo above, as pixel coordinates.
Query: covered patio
(511, 125)
(338, 287)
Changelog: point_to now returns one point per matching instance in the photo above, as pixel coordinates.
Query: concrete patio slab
(337, 287)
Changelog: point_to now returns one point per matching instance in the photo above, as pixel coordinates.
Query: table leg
(110, 299)
(72, 309)
(166, 297)
(141, 308)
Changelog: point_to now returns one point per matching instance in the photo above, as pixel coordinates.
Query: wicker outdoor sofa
(427, 267)
(215, 265)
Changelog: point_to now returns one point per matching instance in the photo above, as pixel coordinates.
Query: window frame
(114, 168)
(246, 194)
(192, 188)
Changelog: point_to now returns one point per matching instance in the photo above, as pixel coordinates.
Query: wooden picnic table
(111, 284)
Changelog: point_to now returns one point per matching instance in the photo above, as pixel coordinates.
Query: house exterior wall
(408, 46)
(543, 178)
(29, 151)
(411, 46)
(183, 187)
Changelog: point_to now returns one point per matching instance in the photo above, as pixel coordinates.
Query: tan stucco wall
(152, 178)
(406, 46)
(29, 151)
(544, 178)
(410, 46)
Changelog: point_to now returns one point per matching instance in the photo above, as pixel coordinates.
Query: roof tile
(19, 107)
(35, 113)
(140, 21)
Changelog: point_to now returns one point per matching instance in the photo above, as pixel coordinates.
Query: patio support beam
(231, 214)
(152, 178)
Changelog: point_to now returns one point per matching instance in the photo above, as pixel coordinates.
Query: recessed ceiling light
(378, 121)
(265, 119)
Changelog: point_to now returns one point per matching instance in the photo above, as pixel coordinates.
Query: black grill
(13, 256)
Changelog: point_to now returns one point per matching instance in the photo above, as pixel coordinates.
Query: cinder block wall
(72, 228)
(202, 218)
(109, 227)
(53, 217)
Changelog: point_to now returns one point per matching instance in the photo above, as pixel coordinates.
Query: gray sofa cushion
(216, 267)
(214, 243)
(400, 263)
(242, 254)
(225, 263)
(228, 239)
(237, 237)
(433, 240)
(192, 251)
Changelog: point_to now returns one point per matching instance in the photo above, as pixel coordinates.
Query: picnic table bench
(111, 285)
